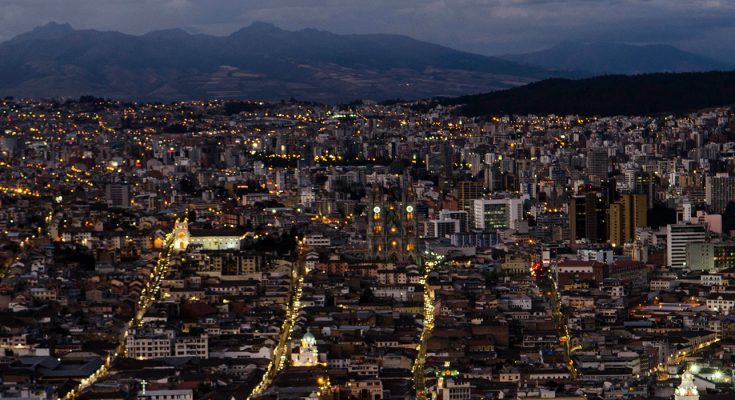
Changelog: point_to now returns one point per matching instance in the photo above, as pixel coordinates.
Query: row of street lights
(147, 297)
(278, 358)
(419, 379)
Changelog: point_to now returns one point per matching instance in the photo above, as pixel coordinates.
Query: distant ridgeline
(607, 95)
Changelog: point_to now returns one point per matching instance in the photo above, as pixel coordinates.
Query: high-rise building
(493, 214)
(491, 177)
(609, 191)
(587, 219)
(678, 236)
(490, 214)
(441, 228)
(461, 216)
(719, 191)
(710, 256)
(597, 162)
(644, 184)
(439, 161)
(118, 195)
(467, 192)
(627, 214)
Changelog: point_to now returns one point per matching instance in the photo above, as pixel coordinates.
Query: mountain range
(617, 58)
(260, 61)
(264, 62)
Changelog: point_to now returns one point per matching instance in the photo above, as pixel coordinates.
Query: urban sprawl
(246, 250)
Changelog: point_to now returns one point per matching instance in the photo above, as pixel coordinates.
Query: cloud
(484, 26)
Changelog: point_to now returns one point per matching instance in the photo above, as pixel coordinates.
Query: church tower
(181, 235)
(687, 390)
(392, 233)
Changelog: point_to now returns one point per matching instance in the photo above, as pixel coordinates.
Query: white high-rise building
(495, 214)
(678, 236)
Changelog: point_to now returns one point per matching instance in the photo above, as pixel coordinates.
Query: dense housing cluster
(232, 250)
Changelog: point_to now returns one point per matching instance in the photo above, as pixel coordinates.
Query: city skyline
(342, 200)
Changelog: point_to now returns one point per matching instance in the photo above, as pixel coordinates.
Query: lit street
(279, 357)
(419, 378)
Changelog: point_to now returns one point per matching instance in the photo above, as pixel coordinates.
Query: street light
(718, 375)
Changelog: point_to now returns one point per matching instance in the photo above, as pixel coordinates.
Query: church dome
(309, 339)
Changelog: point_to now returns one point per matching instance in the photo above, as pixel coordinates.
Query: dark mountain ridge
(260, 61)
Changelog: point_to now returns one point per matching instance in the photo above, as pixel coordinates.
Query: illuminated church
(687, 390)
(206, 239)
(308, 354)
(392, 234)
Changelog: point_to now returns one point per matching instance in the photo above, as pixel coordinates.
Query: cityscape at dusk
(296, 201)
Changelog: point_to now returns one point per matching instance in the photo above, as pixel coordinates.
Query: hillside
(608, 95)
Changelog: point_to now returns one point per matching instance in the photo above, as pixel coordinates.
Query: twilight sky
(482, 26)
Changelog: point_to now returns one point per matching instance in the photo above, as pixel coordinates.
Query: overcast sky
(482, 26)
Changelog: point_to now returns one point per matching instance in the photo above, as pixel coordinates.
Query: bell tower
(181, 235)
(392, 233)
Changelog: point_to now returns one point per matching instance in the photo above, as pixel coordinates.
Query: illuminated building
(496, 214)
(308, 354)
(392, 232)
(710, 256)
(206, 239)
(686, 390)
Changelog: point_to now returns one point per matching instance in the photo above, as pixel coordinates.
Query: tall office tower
(609, 190)
(446, 178)
(491, 177)
(678, 236)
(467, 192)
(475, 162)
(439, 161)
(627, 214)
(392, 232)
(719, 191)
(644, 184)
(587, 218)
(597, 162)
(557, 174)
(118, 195)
